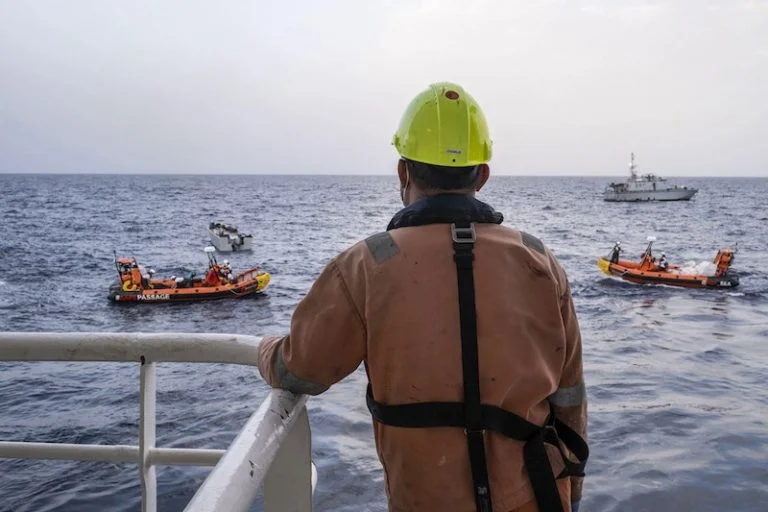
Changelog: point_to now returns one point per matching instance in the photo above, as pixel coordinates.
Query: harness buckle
(549, 435)
(548, 430)
(463, 235)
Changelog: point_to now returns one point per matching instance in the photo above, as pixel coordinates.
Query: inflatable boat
(137, 284)
(649, 270)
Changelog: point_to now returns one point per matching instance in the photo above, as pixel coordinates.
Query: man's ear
(485, 173)
(402, 172)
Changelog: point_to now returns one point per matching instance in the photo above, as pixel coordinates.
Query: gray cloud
(318, 87)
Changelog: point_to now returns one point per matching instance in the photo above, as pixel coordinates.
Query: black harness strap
(475, 417)
(463, 234)
(540, 471)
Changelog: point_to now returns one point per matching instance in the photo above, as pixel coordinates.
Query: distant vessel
(226, 237)
(646, 187)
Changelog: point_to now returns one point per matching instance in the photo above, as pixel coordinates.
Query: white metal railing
(272, 450)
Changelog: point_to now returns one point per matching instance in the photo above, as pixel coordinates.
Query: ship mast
(632, 166)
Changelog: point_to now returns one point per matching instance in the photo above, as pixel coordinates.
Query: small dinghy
(137, 284)
(227, 238)
(649, 270)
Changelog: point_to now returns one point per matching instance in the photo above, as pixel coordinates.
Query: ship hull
(226, 244)
(631, 196)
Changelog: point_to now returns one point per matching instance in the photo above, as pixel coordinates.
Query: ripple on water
(676, 377)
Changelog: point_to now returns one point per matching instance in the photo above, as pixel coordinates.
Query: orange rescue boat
(135, 284)
(651, 271)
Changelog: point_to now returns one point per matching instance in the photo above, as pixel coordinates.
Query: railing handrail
(127, 347)
(273, 449)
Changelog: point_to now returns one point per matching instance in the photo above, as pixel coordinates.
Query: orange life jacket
(212, 277)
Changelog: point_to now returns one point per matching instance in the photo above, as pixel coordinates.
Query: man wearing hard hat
(467, 330)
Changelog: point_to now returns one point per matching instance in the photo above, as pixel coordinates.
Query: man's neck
(417, 194)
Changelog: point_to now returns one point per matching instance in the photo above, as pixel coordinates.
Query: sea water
(678, 401)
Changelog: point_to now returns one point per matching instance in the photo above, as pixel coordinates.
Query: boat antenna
(632, 166)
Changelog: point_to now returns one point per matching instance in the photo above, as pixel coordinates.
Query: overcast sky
(568, 87)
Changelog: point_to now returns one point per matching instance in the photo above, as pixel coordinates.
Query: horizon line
(5, 173)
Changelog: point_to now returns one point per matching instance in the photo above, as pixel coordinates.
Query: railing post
(288, 483)
(147, 410)
(278, 431)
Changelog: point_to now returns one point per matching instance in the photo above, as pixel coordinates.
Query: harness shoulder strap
(463, 235)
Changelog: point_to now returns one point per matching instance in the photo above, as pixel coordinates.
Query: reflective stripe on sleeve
(569, 397)
(287, 380)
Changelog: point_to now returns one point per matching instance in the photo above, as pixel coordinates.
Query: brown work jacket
(391, 301)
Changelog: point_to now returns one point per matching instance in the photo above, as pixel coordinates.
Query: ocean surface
(677, 379)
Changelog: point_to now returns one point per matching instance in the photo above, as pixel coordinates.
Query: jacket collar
(445, 209)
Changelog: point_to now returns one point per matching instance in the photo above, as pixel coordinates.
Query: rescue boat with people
(137, 284)
(652, 271)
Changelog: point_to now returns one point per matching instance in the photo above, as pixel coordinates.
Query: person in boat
(616, 252)
(225, 272)
(466, 328)
(663, 263)
(212, 277)
(136, 277)
(146, 277)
